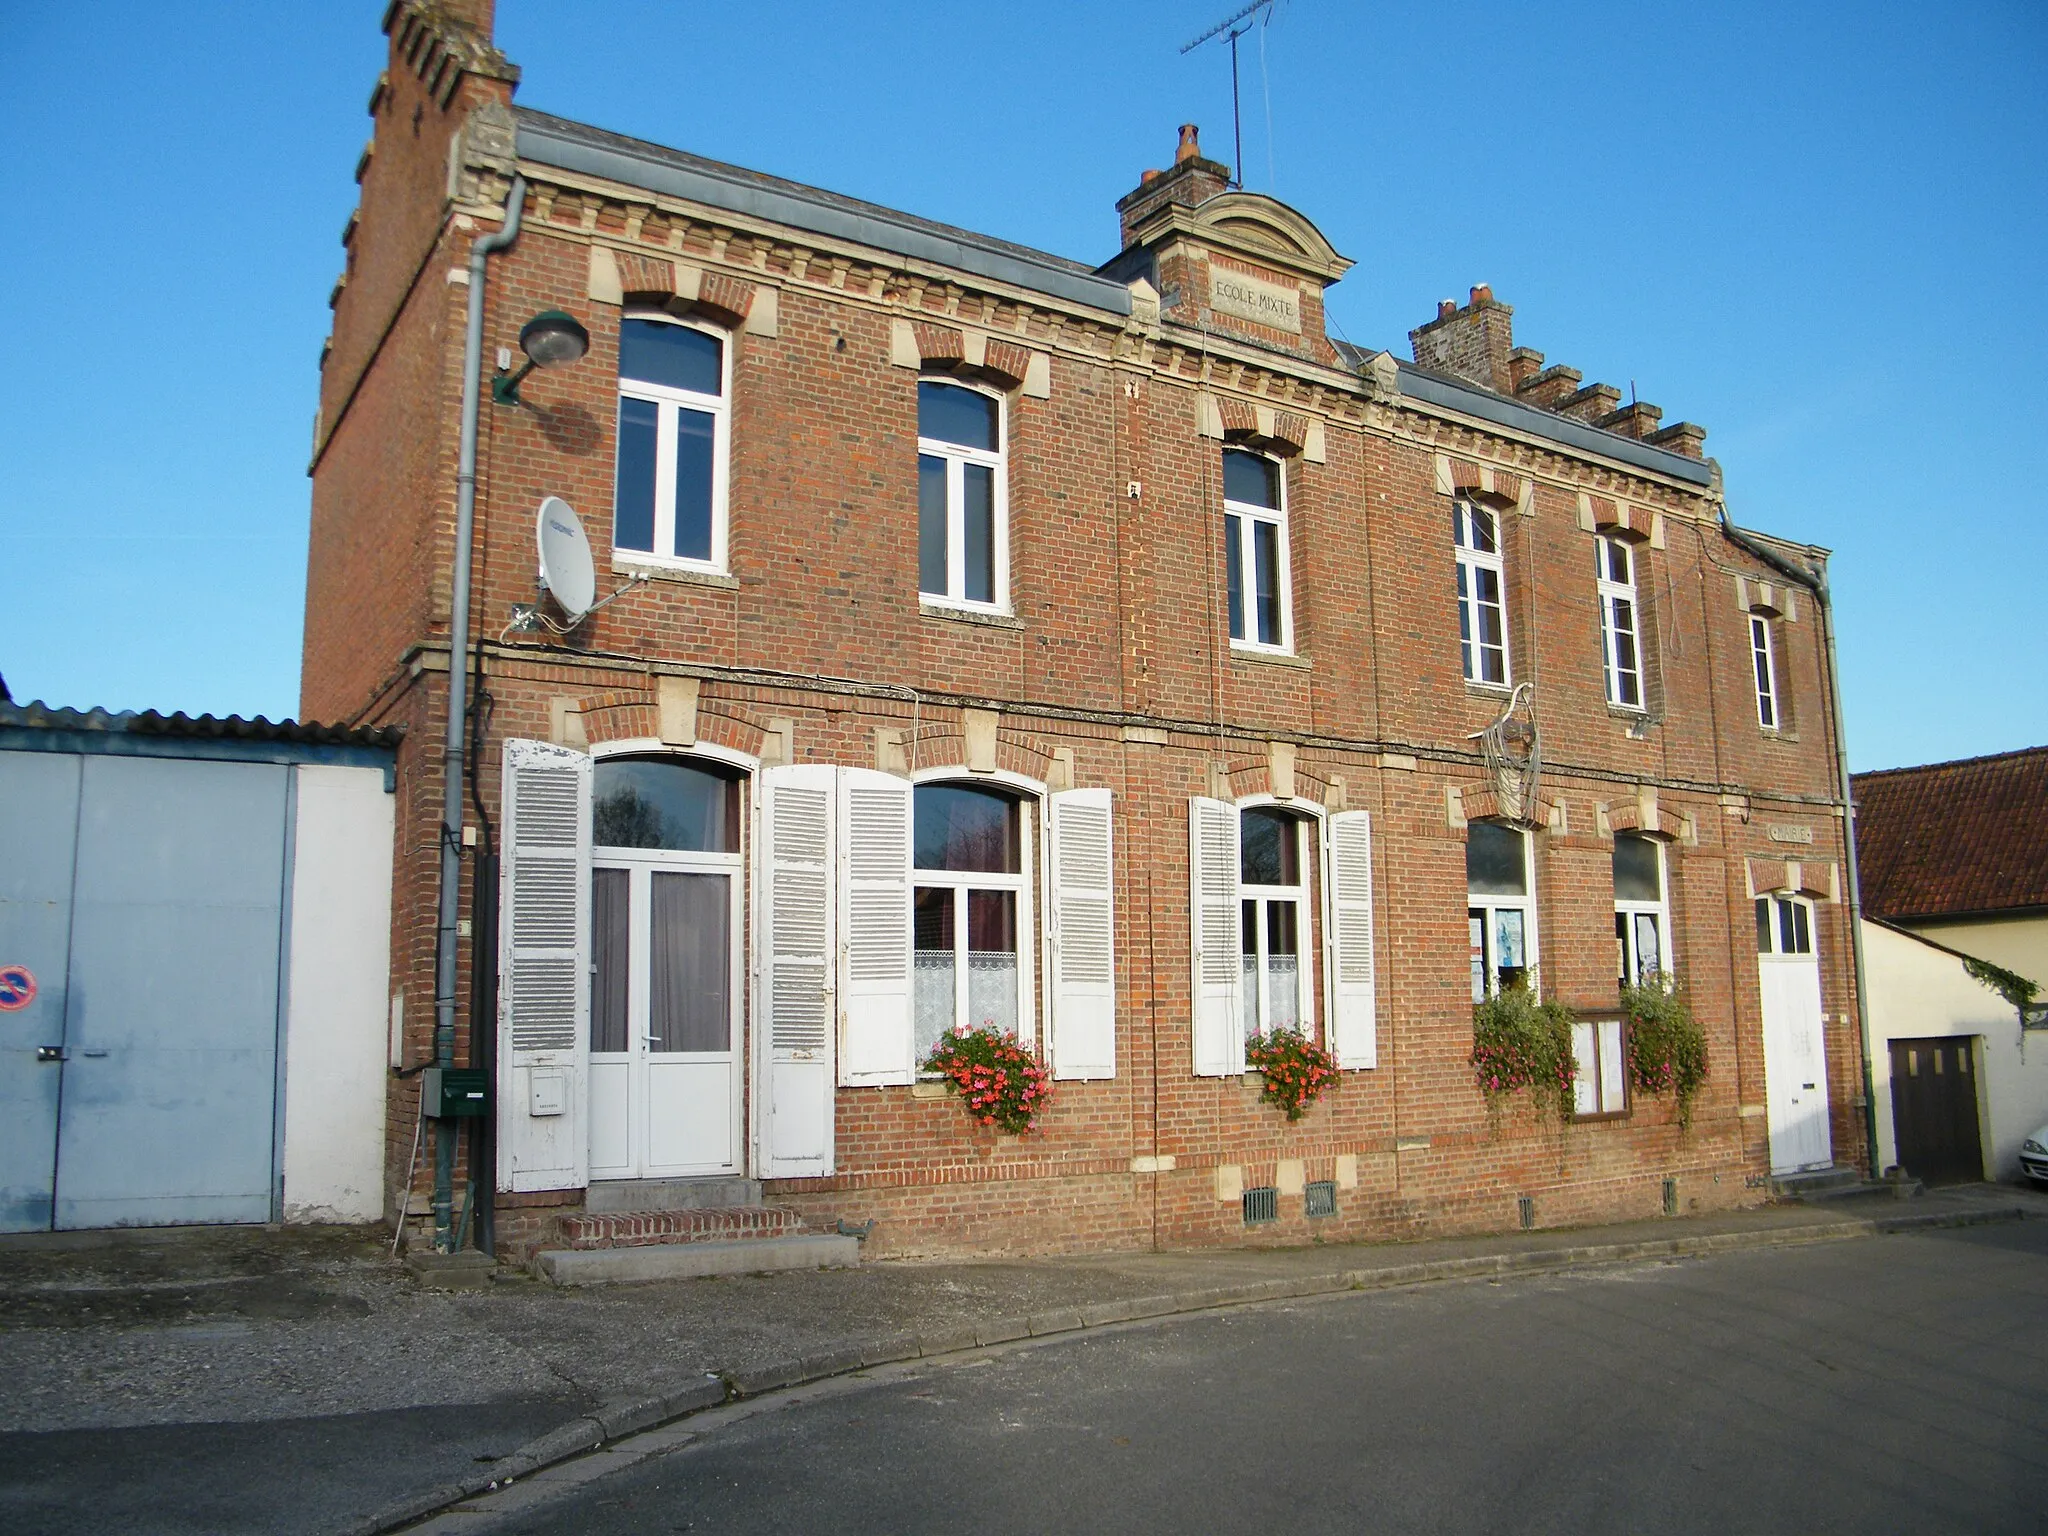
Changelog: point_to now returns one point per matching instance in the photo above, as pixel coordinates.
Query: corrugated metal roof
(1959, 839)
(46, 717)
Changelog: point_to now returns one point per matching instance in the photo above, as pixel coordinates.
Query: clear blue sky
(1816, 230)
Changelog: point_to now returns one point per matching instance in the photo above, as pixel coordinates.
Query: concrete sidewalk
(296, 1380)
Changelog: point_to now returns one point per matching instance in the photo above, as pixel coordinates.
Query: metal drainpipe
(458, 684)
(1815, 580)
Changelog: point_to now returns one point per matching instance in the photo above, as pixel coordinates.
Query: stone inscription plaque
(1254, 299)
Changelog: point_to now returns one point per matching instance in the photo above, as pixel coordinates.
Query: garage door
(148, 902)
(1934, 1110)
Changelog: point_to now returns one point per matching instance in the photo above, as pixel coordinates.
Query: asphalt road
(1891, 1385)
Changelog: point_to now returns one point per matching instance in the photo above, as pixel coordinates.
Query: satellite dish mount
(568, 573)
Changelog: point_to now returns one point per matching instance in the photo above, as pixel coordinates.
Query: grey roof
(1487, 405)
(570, 146)
(45, 727)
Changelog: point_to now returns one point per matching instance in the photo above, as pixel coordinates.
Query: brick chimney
(1192, 181)
(1473, 343)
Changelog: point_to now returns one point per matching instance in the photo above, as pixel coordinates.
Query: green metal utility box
(455, 1093)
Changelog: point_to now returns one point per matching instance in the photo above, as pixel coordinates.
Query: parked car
(2034, 1155)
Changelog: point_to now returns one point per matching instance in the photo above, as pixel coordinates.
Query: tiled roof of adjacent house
(1954, 839)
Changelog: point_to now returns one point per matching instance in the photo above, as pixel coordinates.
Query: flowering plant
(1667, 1049)
(1519, 1043)
(1295, 1068)
(1001, 1083)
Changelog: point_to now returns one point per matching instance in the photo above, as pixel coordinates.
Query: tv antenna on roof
(1230, 25)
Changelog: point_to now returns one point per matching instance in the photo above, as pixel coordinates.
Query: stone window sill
(654, 571)
(1271, 658)
(970, 616)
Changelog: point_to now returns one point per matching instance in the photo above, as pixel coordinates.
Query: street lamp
(550, 337)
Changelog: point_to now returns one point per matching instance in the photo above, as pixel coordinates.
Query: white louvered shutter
(875, 1038)
(1083, 936)
(1213, 911)
(1347, 860)
(793, 938)
(544, 970)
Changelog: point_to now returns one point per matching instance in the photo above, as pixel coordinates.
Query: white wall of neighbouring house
(335, 1031)
(1920, 992)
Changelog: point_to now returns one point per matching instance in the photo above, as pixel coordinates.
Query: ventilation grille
(1319, 1198)
(1526, 1208)
(1671, 1197)
(1261, 1205)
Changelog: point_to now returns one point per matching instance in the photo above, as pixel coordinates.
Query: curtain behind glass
(689, 1006)
(609, 936)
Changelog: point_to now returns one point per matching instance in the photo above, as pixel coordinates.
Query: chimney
(1473, 343)
(477, 15)
(1193, 180)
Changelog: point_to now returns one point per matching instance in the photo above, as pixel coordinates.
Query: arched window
(963, 514)
(669, 504)
(971, 910)
(1273, 887)
(659, 802)
(1255, 550)
(1501, 910)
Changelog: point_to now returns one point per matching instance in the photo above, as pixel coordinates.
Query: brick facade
(1112, 668)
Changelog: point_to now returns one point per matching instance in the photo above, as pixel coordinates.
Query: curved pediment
(1260, 226)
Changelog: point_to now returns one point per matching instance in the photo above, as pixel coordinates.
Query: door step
(1835, 1183)
(702, 1224)
(670, 1194)
(687, 1260)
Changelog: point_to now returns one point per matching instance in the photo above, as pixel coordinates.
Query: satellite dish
(566, 569)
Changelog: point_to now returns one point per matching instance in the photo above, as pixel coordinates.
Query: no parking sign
(17, 988)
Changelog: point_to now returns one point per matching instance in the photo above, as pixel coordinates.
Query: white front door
(664, 1015)
(1795, 1055)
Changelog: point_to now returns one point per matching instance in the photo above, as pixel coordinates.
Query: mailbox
(455, 1093)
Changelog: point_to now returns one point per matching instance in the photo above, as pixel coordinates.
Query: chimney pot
(1482, 293)
(1146, 178)
(1445, 308)
(1190, 144)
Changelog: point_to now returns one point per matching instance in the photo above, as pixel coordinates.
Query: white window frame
(668, 401)
(1471, 560)
(956, 456)
(1302, 897)
(1763, 650)
(1485, 907)
(1626, 913)
(1246, 514)
(1801, 911)
(1032, 857)
(1613, 627)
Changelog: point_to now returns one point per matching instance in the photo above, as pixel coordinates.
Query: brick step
(684, 1261)
(646, 1229)
(609, 1195)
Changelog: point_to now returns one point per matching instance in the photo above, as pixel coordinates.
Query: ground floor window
(970, 911)
(1500, 913)
(1273, 892)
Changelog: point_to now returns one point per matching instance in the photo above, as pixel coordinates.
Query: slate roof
(1960, 839)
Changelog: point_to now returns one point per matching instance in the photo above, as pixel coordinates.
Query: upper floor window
(1762, 651)
(971, 911)
(1482, 615)
(1617, 584)
(1500, 911)
(963, 515)
(1255, 550)
(674, 386)
(1273, 933)
(1642, 922)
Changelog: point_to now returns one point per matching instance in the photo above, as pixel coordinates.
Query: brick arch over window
(1284, 433)
(1661, 822)
(946, 349)
(1479, 801)
(657, 281)
(945, 746)
(1793, 877)
(634, 714)
(1500, 489)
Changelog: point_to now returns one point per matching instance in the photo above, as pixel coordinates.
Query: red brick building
(1100, 652)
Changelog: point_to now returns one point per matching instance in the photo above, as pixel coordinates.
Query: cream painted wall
(2017, 943)
(1918, 992)
(340, 979)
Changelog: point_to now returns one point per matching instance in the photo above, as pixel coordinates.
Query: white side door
(1795, 1055)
